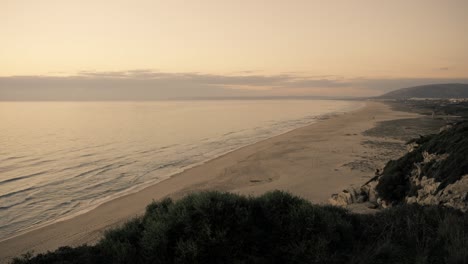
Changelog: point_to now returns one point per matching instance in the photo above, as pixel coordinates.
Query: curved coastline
(216, 173)
(159, 178)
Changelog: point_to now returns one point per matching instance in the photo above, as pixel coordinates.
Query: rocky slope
(433, 172)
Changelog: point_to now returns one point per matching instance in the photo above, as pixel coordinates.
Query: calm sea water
(58, 159)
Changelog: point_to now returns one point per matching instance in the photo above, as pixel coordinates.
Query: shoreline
(306, 161)
(358, 105)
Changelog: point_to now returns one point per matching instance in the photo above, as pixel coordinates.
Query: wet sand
(311, 162)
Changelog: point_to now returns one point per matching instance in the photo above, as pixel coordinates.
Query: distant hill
(448, 90)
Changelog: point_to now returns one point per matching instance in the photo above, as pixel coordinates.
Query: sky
(165, 49)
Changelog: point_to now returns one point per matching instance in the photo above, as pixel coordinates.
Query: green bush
(213, 227)
(414, 234)
(221, 227)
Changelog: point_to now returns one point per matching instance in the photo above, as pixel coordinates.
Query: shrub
(213, 227)
(414, 234)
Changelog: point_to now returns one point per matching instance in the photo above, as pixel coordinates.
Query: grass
(213, 227)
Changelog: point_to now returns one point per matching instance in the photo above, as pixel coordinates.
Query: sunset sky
(220, 47)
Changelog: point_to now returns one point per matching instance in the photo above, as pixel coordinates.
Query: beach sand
(312, 162)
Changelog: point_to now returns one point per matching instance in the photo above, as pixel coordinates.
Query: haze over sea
(59, 159)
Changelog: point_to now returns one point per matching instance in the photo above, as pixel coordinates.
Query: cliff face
(433, 172)
(428, 191)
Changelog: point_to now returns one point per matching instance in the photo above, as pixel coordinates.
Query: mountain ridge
(442, 91)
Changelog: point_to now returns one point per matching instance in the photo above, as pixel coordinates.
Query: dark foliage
(453, 142)
(214, 227)
(394, 184)
(447, 90)
(413, 234)
(67, 255)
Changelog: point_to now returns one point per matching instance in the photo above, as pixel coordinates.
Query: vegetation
(448, 90)
(443, 109)
(213, 227)
(395, 184)
(454, 109)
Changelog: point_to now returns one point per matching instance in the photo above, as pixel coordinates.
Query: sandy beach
(312, 162)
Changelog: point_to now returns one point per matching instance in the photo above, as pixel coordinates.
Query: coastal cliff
(434, 171)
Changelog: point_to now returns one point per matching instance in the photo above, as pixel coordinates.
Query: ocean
(60, 159)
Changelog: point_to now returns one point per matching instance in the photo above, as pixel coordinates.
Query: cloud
(145, 84)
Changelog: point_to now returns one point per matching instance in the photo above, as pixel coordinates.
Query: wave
(110, 171)
(17, 192)
(22, 177)
(12, 158)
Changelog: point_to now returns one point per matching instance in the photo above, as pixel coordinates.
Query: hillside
(448, 90)
(433, 172)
